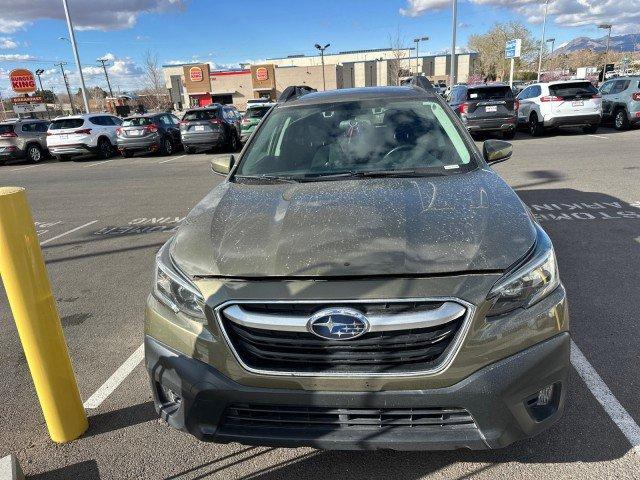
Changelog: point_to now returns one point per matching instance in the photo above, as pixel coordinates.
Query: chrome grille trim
(447, 359)
(447, 312)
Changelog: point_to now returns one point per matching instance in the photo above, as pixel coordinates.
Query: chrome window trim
(450, 354)
(446, 313)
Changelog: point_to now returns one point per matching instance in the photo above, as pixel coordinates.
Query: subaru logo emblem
(338, 324)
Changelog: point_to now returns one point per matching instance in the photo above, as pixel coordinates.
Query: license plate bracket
(491, 108)
(577, 103)
(199, 128)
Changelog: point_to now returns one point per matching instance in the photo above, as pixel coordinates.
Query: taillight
(516, 105)
(596, 95)
(215, 121)
(83, 131)
(151, 128)
(119, 131)
(636, 96)
(245, 121)
(463, 108)
(8, 134)
(182, 122)
(551, 98)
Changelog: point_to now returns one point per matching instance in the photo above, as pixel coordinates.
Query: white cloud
(86, 14)
(623, 14)
(11, 57)
(7, 43)
(109, 57)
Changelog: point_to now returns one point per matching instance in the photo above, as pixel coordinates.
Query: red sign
(262, 74)
(23, 100)
(22, 81)
(195, 74)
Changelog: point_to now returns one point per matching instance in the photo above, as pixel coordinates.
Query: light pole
(66, 84)
(552, 41)
(39, 72)
(417, 41)
(606, 26)
(322, 49)
(72, 37)
(454, 24)
(106, 75)
(544, 26)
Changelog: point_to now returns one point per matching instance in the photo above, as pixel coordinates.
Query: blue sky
(226, 33)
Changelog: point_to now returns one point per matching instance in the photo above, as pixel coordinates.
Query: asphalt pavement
(101, 222)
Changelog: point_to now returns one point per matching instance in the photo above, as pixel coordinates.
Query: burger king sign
(195, 74)
(22, 81)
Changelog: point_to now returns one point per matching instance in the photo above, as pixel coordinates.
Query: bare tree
(396, 70)
(154, 87)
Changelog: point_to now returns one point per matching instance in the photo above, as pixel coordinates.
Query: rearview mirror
(495, 151)
(222, 165)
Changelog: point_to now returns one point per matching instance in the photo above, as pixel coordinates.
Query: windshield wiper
(414, 172)
(270, 178)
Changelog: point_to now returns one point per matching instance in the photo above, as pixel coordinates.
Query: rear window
(256, 112)
(66, 123)
(6, 129)
(489, 93)
(136, 122)
(200, 115)
(573, 89)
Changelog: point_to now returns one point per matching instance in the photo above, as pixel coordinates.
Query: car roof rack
(293, 92)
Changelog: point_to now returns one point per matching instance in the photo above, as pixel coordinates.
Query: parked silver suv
(621, 101)
(26, 138)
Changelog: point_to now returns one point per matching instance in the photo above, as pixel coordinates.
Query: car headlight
(174, 289)
(528, 283)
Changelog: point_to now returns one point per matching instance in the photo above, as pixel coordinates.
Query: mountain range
(619, 43)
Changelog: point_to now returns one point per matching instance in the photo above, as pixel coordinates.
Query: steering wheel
(395, 150)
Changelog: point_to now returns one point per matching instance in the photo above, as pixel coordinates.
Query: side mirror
(495, 151)
(222, 165)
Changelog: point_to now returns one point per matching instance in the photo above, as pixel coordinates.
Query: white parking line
(24, 168)
(597, 136)
(172, 158)
(107, 388)
(611, 405)
(67, 232)
(98, 163)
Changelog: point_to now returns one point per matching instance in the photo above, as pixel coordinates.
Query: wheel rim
(167, 146)
(104, 148)
(619, 120)
(34, 154)
(532, 125)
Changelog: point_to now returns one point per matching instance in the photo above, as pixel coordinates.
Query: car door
(525, 105)
(605, 91)
(616, 94)
(41, 130)
(171, 127)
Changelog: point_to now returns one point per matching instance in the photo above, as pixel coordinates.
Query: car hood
(360, 227)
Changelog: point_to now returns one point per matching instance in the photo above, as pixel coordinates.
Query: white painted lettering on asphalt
(43, 227)
(605, 397)
(586, 211)
(108, 387)
(67, 232)
(143, 225)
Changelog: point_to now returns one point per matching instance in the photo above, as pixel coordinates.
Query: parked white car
(570, 103)
(81, 134)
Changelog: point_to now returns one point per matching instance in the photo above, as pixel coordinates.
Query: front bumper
(572, 120)
(496, 396)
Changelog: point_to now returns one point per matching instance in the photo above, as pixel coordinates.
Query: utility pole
(544, 25)
(418, 40)
(322, 49)
(72, 38)
(606, 26)
(454, 25)
(4, 112)
(66, 84)
(106, 75)
(39, 72)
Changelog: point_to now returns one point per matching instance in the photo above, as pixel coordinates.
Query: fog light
(544, 396)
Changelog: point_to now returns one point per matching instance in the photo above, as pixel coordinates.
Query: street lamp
(417, 41)
(552, 41)
(322, 49)
(606, 26)
(544, 26)
(39, 72)
(454, 24)
(74, 47)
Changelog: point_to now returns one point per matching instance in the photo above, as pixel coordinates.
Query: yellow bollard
(34, 309)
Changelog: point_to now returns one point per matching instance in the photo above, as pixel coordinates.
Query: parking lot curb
(10, 468)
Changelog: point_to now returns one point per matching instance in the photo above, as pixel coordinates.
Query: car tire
(234, 142)
(63, 158)
(167, 147)
(590, 128)
(189, 150)
(535, 127)
(105, 149)
(34, 153)
(126, 153)
(509, 134)
(620, 120)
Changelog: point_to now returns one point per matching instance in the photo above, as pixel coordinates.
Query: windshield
(489, 93)
(257, 112)
(379, 135)
(137, 122)
(573, 90)
(66, 123)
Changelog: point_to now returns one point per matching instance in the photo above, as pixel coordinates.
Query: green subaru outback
(251, 119)
(360, 279)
